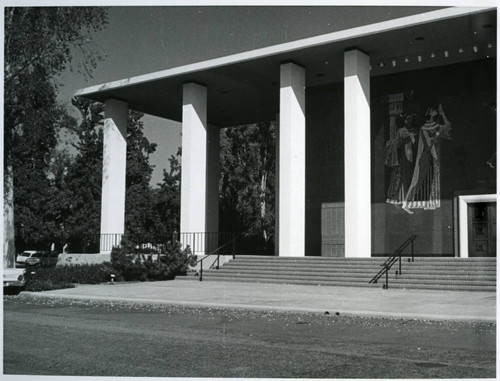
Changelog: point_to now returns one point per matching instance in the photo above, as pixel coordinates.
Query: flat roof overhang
(244, 88)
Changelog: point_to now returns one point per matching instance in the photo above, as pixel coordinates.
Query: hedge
(44, 279)
(125, 265)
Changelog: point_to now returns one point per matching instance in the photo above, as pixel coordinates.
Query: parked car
(13, 280)
(33, 258)
(38, 259)
(21, 258)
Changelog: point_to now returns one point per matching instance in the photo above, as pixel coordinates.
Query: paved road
(98, 338)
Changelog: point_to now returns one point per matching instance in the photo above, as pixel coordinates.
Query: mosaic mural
(413, 155)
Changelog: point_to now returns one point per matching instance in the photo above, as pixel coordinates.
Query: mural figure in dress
(413, 155)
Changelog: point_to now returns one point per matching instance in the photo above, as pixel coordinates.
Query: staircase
(472, 274)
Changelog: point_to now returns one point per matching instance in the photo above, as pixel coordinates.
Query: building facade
(387, 129)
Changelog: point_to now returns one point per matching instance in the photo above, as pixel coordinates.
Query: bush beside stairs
(461, 274)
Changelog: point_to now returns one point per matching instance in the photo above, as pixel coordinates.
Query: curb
(257, 307)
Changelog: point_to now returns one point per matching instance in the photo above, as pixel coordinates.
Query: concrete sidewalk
(393, 303)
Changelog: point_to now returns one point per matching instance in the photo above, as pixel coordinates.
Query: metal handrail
(215, 252)
(199, 242)
(396, 257)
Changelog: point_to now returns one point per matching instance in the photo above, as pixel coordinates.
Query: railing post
(201, 271)
(234, 246)
(194, 244)
(412, 258)
(399, 263)
(386, 276)
(217, 261)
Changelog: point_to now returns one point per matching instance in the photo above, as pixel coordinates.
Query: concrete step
(459, 287)
(424, 273)
(360, 274)
(361, 268)
(347, 277)
(371, 259)
(359, 263)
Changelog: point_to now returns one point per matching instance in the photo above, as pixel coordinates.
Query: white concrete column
(113, 174)
(357, 154)
(292, 161)
(200, 167)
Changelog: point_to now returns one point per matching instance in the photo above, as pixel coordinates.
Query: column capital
(285, 62)
(355, 48)
(115, 100)
(195, 83)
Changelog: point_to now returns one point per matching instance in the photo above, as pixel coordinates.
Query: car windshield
(37, 255)
(27, 254)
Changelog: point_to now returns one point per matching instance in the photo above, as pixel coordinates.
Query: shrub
(125, 264)
(171, 261)
(44, 279)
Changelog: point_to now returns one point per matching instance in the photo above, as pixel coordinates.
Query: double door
(482, 229)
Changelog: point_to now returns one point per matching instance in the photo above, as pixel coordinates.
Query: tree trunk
(263, 186)
(9, 249)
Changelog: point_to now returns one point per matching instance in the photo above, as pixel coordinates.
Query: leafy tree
(58, 167)
(30, 134)
(39, 44)
(57, 204)
(168, 198)
(247, 183)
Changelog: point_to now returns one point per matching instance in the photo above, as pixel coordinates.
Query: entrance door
(482, 229)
